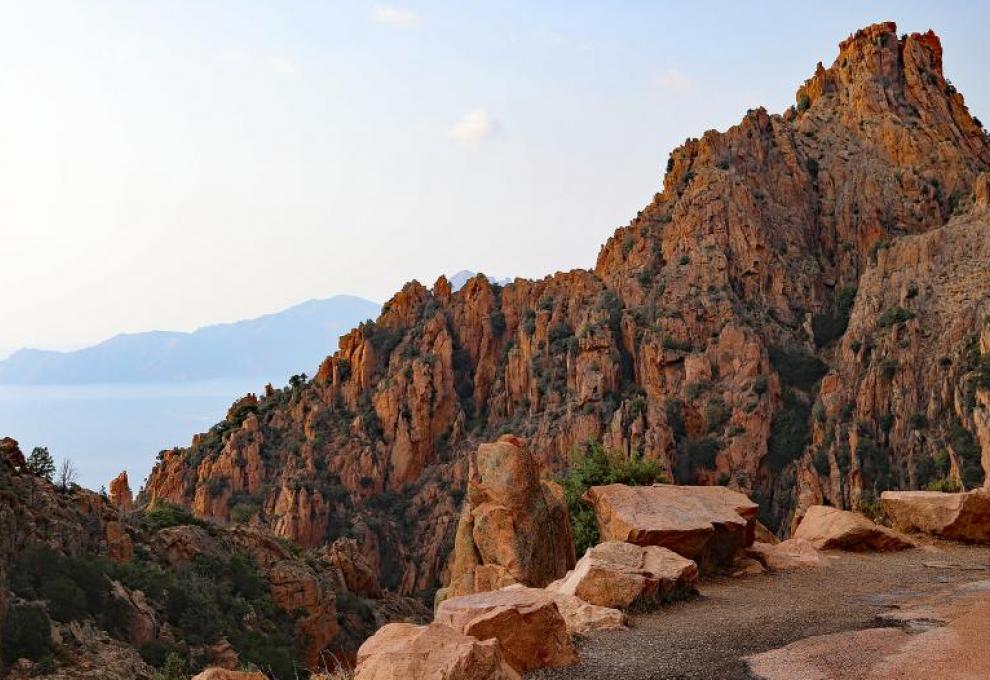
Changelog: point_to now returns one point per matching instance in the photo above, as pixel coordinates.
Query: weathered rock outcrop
(720, 334)
(707, 524)
(623, 575)
(829, 528)
(515, 527)
(401, 651)
(120, 493)
(525, 621)
(955, 516)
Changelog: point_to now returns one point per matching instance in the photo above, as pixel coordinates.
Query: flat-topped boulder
(794, 553)
(526, 621)
(401, 651)
(707, 524)
(828, 528)
(956, 516)
(622, 575)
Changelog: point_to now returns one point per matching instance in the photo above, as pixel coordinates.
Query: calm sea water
(108, 428)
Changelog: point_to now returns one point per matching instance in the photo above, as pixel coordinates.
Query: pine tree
(40, 462)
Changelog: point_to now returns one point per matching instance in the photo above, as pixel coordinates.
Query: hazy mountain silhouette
(270, 347)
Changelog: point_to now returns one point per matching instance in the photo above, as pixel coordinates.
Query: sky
(166, 165)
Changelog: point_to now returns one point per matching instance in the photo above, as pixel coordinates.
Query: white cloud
(283, 64)
(474, 126)
(396, 16)
(674, 80)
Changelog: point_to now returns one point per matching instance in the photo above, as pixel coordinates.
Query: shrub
(944, 485)
(789, 434)
(796, 367)
(821, 462)
(594, 466)
(157, 652)
(243, 511)
(804, 103)
(893, 316)
(174, 668)
(760, 384)
(969, 451)
(918, 421)
(699, 453)
(685, 259)
(717, 412)
(830, 327)
(812, 166)
(162, 515)
(888, 368)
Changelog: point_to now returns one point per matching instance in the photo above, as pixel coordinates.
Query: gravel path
(708, 637)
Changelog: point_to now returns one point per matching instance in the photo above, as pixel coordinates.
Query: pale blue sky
(172, 164)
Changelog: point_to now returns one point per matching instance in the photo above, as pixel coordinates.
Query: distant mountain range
(458, 280)
(270, 347)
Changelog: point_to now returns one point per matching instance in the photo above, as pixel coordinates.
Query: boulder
(225, 674)
(514, 528)
(182, 544)
(622, 575)
(707, 524)
(828, 528)
(526, 621)
(356, 573)
(402, 651)
(794, 553)
(956, 516)
(120, 547)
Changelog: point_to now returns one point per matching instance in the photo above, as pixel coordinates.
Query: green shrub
(789, 433)
(918, 421)
(717, 412)
(760, 384)
(698, 454)
(888, 368)
(893, 316)
(969, 451)
(594, 466)
(830, 327)
(157, 652)
(945, 485)
(25, 634)
(796, 367)
(243, 511)
(174, 667)
(821, 462)
(163, 515)
(804, 103)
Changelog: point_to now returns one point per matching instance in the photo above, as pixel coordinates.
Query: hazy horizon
(171, 166)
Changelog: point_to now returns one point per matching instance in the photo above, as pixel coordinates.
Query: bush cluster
(594, 466)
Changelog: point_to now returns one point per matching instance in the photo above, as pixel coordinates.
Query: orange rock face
(955, 516)
(621, 575)
(751, 327)
(525, 621)
(515, 527)
(833, 529)
(707, 524)
(401, 651)
(120, 493)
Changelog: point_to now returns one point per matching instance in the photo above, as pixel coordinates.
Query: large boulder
(829, 528)
(402, 651)
(583, 617)
(224, 674)
(707, 524)
(616, 574)
(956, 516)
(515, 527)
(526, 621)
(794, 553)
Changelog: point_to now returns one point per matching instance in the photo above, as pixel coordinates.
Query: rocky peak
(120, 493)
